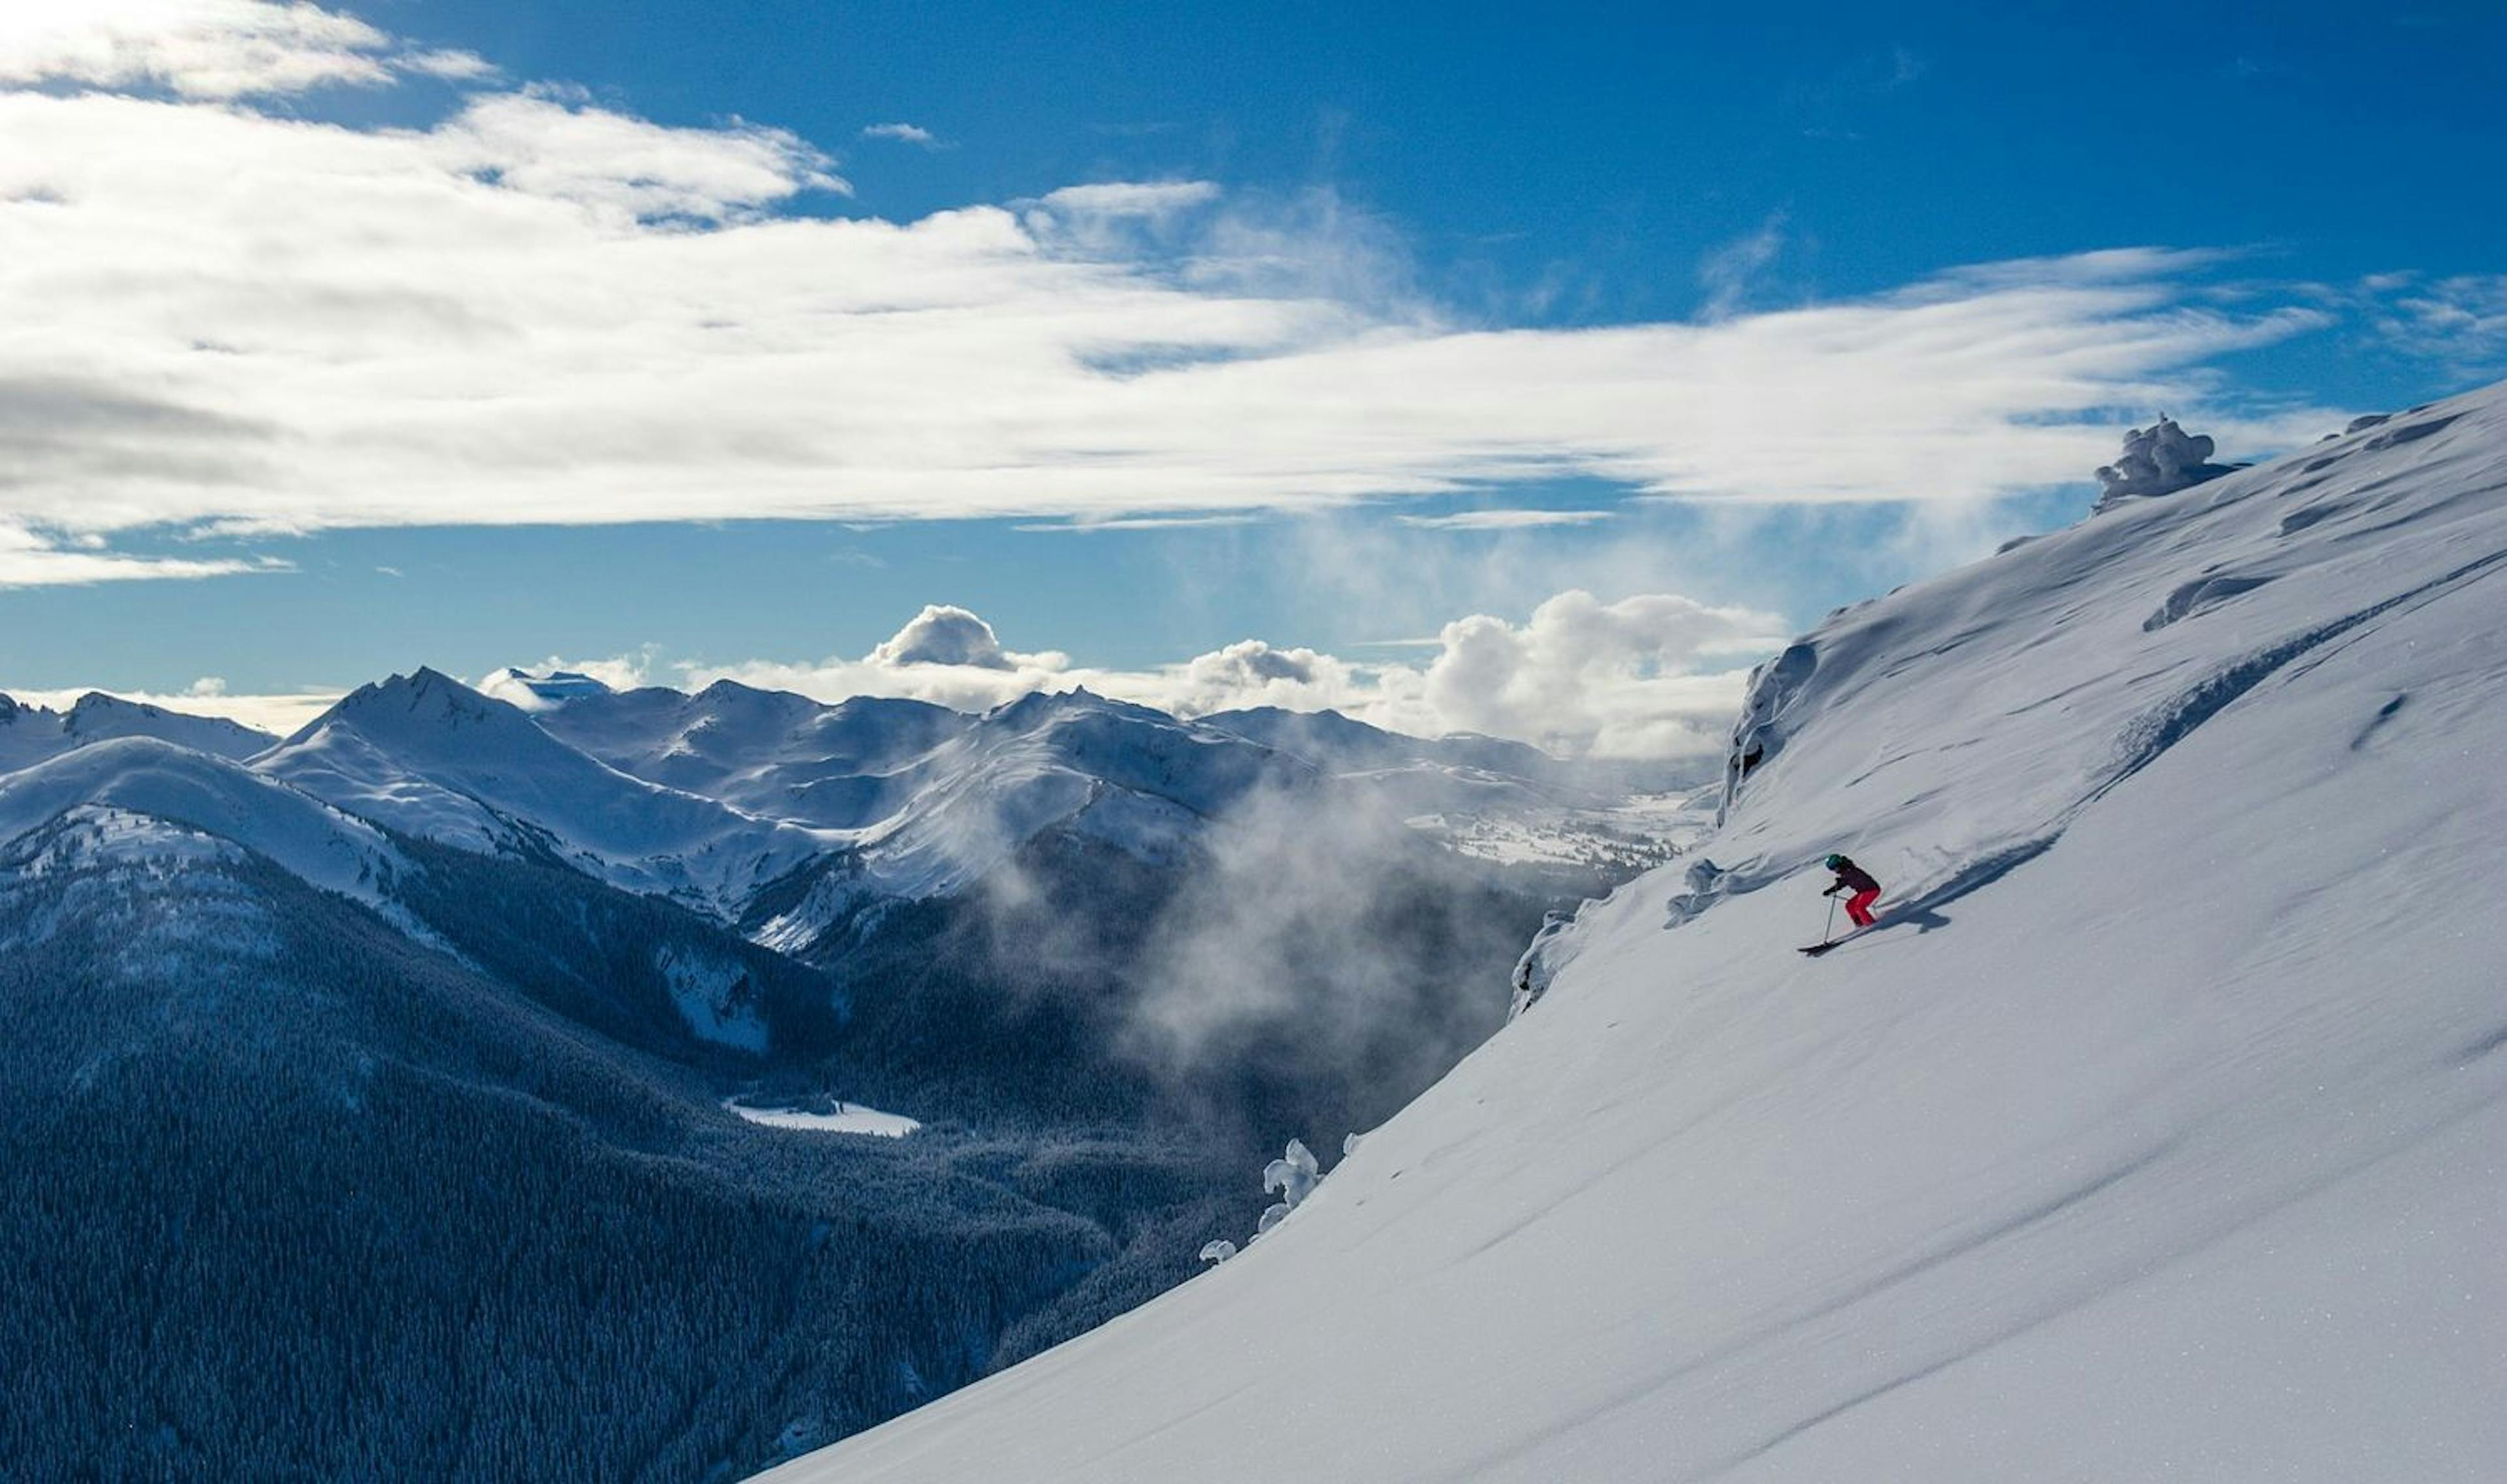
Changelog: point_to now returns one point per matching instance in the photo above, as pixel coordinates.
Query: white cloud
(1732, 271)
(31, 560)
(1507, 519)
(1132, 198)
(209, 49)
(1141, 522)
(1621, 680)
(542, 310)
(1654, 676)
(1250, 672)
(546, 146)
(2460, 320)
(943, 633)
(280, 713)
(620, 672)
(903, 133)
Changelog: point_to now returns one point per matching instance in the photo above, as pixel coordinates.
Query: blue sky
(470, 333)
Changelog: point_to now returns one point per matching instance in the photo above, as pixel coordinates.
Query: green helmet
(1834, 861)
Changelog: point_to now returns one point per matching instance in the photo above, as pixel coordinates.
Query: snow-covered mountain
(108, 784)
(913, 801)
(545, 691)
(331, 1153)
(29, 734)
(1126, 775)
(441, 1013)
(773, 753)
(1497, 800)
(2155, 1131)
(934, 801)
(791, 816)
(427, 755)
(1342, 744)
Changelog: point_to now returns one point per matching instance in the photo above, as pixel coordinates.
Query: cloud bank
(541, 309)
(1656, 677)
(213, 49)
(1651, 676)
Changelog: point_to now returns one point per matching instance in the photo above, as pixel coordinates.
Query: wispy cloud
(2459, 321)
(1507, 519)
(1140, 522)
(1733, 270)
(905, 133)
(33, 559)
(217, 50)
(540, 310)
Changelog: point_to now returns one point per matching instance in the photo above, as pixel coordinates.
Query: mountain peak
(541, 691)
(424, 696)
(1039, 708)
(97, 706)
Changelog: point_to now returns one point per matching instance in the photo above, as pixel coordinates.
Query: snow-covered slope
(933, 799)
(429, 756)
(1131, 776)
(773, 753)
(114, 781)
(1493, 799)
(2160, 1131)
(28, 734)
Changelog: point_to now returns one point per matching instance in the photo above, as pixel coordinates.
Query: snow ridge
(428, 755)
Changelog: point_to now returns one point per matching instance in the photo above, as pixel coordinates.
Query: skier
(1853, 878)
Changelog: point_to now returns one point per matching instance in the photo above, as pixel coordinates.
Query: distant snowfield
(848, 1118)
(1645, 826)
(2159, 1133)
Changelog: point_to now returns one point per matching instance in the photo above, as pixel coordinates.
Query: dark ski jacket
(1850, 876)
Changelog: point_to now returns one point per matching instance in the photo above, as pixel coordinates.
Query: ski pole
(1831, 920)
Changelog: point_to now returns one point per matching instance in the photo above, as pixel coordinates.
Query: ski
(1817, 949)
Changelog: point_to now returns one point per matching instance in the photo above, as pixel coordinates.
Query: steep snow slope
(2159, 1131)
(429, 756)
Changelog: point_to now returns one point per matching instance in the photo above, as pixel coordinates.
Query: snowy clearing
(848, 1118)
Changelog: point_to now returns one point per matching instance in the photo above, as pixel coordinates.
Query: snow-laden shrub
(1705, 881)
(1294, 1175)
(2158, 459)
